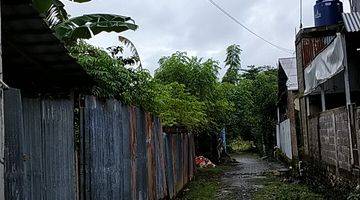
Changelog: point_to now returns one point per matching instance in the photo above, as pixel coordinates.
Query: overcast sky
(197, 27)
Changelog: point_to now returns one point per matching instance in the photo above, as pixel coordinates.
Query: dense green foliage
(177, 107)
(200, 81)
(186, 92)
(255, 98)
(133, 86)
(171, 101)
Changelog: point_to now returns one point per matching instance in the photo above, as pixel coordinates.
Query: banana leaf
(44, 5)
(56, 13)
(87, 26)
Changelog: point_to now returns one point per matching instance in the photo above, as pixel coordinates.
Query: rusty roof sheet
(289, 67)
(352, 21)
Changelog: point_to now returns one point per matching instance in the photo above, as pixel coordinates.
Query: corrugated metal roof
(352, 21)
(289, 67)
(32, 54)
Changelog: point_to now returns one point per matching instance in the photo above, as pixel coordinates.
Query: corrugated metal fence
(122, 154)
(39, 147)
(127, 156)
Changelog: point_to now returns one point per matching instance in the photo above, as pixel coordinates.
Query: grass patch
(205, 185)
(275, 189)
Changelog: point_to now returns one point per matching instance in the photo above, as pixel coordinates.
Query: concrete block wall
(335, 138)
(314, 138)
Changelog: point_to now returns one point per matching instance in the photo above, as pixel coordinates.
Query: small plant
(355, 195)
(320, 179)
(275, 189)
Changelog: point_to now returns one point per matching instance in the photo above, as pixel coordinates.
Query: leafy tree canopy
(198, 76)
(200, 80)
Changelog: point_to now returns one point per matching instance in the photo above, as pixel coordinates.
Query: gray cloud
(200, 29)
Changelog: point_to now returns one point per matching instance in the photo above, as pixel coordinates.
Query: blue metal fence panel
(14, 164)
(141, 156)
(105, 162)
(58, 154)
(40, 147)
(34, 167)
(126, 148)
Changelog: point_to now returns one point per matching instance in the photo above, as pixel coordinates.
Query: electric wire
(249, 30)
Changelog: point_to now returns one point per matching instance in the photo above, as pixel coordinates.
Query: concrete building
(329, 93)
(286, 129)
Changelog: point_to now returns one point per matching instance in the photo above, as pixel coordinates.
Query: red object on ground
(203, 162)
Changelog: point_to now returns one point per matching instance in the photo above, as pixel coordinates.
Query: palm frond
(126, 42)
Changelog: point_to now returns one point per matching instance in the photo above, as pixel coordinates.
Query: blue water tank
(328, 12)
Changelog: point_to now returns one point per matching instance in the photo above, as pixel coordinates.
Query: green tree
(200, 80)
(265, 99)
(198, 76)
(176, 107)
(254, 99)
(233, 62)
(113, 80)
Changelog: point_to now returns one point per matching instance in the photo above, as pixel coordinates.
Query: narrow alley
(247, 177)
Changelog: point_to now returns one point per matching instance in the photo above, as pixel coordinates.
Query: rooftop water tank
(327, 12)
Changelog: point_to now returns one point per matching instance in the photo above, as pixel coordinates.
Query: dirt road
(246, 177)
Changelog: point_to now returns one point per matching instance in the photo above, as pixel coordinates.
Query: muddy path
(246, 177)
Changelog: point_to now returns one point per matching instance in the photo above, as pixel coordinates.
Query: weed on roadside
(276, 189)
(205, 185)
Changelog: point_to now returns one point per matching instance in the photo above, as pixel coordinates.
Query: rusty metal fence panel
(39, 141)
(169, 165)
(161, 184)
(127, 156)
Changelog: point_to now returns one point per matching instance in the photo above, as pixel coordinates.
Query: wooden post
(2, 131)
(323, 101)
(348, 100)
(292, 118)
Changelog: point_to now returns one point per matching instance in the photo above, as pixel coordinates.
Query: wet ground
(246, 177)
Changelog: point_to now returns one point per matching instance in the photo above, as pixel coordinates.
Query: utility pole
(2, 131)
(301, 14)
